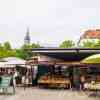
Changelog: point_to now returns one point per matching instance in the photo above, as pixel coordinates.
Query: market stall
(13, 65)
(93, 76)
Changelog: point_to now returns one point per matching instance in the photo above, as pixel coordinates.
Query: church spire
(27, 37)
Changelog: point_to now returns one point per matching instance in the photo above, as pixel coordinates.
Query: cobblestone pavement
(46, 94)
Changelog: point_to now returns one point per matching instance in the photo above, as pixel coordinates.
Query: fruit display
(54, 81)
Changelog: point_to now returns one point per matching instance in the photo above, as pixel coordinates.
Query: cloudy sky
(50, 21)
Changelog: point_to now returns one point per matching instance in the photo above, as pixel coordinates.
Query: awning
(6, 65)
(14, 61)
(94, 59)
(11, 62)
(67, 54)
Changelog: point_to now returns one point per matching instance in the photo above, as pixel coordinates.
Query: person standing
(26, 79)
(15, 74)
(82, 81)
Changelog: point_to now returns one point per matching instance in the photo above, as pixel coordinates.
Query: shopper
(82, 81)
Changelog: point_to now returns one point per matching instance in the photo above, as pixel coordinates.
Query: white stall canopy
(15, 61)
(11, 62)
(6, 65)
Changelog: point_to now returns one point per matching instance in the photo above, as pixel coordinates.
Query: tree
(87, 44)
(21, 53)
(24, 51)
(1, 47)
(6, 51)
(35, 45)
(90, 44)
(25, 47)
(7, 46)
(67, 44)
(97, 45)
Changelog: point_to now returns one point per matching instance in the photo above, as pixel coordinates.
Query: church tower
(27, 37)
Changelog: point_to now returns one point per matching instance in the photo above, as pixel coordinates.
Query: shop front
(67, 69)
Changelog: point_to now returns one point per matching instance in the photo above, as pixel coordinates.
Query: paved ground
(46, 94)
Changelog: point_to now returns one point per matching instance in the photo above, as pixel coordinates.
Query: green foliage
(97, 45)
(31, 46)
(67, 44)
(6, 51)
(35, 45)
(25, 47)
(7, 46)
(88, 44)
(24, 51)
(91, 44)
(21, 53)
(1, 47)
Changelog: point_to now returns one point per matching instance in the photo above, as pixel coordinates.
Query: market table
(95, 87)
(52, 82)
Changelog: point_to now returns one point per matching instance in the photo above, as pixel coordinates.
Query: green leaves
(7, 51)
(7, 46)
(21, 53)
(91, 44)
(24, 52)
(67, 44)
